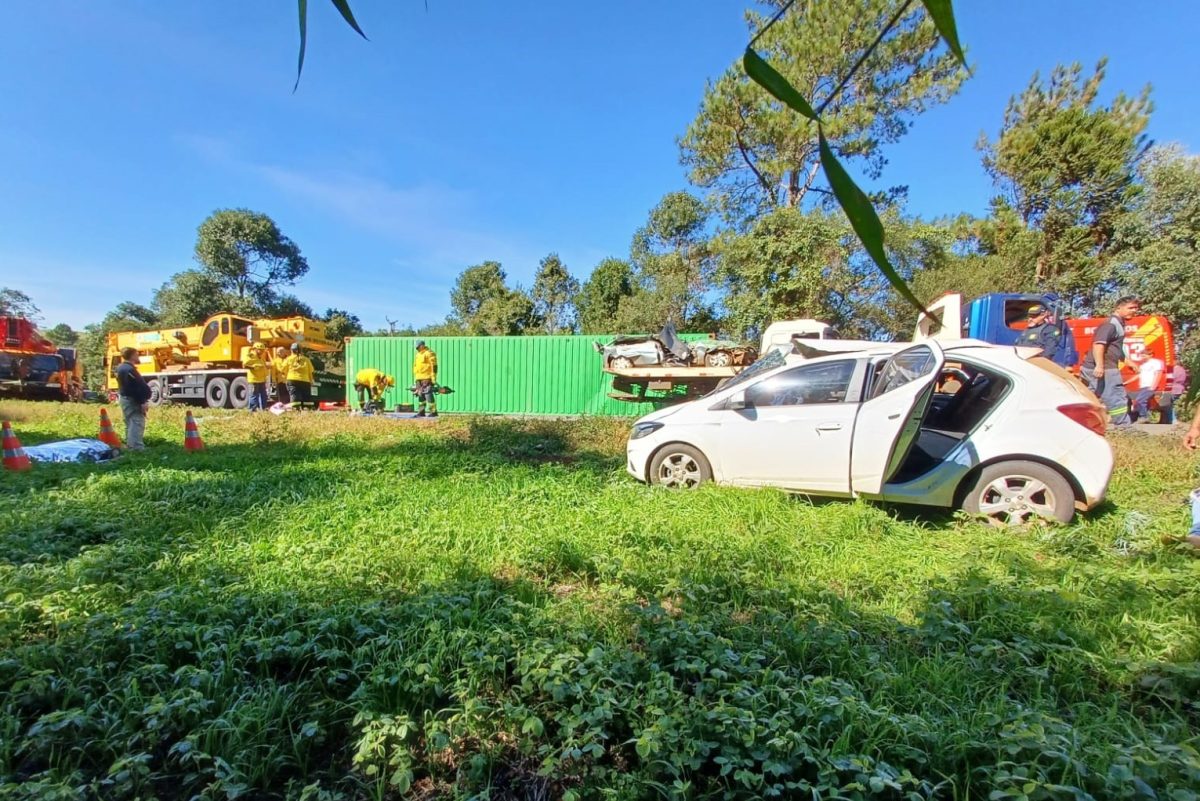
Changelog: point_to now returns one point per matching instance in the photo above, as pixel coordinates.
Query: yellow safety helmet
(391, 382)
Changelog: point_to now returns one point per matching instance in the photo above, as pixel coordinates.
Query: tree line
(1084, 206)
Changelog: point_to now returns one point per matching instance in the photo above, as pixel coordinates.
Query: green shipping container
(536, 375)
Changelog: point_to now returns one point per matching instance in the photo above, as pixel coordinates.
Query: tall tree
(780, 268)
(192, 296)
(601, 295)
(1160, 239)
(1066, 166)
(62, 335)
(673, 264)
(15, 303)
(553, 294)
(247, 255)
(483, 303)
(756, 154)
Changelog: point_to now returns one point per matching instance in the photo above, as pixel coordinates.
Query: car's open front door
(890, 420)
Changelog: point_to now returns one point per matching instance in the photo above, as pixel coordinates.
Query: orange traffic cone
(14, 454)
(107, 435)
(191, 435)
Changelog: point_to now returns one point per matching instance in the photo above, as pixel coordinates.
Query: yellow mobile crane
(202, 364)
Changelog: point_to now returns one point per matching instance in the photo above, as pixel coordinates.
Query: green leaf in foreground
(343, 8)
(302, 5)
(765, 76)
(942, 13)
(864, 220)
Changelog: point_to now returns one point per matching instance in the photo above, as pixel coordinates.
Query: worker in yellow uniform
(279, 375)
(425, 368)
(371, 384)
(257, 366)
(299, 377)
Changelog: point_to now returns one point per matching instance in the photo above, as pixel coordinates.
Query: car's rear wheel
(679, 466)
(1016, 493)
(718, 358)
(621, 363)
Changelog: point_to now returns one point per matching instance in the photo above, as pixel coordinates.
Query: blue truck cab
(998, 318)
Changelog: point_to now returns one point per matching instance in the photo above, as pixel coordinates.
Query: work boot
(421, 413)
(433, 414)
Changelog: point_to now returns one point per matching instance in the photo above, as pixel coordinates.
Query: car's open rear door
(889, 420)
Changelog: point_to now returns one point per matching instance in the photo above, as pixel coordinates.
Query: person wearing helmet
(257, 366)
(299, 377)
(370, 385)
(279, 376)
(425, 369)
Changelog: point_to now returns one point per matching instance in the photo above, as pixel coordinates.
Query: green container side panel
(534, 375)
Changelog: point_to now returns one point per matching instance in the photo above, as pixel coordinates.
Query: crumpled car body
(665, 348)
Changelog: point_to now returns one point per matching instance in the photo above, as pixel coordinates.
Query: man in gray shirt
(1101, 367)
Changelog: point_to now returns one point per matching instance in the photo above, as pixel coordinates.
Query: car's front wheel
(679, 466)
(1016, 493)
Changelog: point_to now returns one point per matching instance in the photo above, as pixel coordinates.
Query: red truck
(31, 366)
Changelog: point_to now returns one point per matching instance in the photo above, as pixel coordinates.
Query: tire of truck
(216, 393)
(239, 393)
(156, 394)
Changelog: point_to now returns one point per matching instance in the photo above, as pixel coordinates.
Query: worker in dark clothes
(1102, 364)
(134, 393)
(1039, 332)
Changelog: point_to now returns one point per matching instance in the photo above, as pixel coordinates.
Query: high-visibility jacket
(425, 365)
(299, 368)
(375, 380)
(257, 368)
(279, 369)
(368, 376)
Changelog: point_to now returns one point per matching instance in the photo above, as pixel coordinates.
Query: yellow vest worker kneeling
(299, 375)
(425, 368)
(371, 384)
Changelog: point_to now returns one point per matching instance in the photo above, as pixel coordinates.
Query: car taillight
(1087, 415)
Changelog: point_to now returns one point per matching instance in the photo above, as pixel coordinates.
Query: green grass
(318, 607)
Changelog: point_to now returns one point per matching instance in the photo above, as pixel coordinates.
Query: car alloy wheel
(1011, 494)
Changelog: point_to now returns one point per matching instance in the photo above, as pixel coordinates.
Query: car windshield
(769, 362)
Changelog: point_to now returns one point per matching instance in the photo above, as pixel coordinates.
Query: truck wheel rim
(679, 470)
(1015, 500)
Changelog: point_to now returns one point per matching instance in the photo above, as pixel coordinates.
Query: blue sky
(469, 131)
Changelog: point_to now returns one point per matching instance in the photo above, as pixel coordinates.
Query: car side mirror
(737, 401)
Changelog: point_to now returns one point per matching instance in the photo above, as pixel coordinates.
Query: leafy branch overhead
(854, 202)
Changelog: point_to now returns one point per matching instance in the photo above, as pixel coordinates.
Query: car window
(813, 383)
(767, 363)
(906, 366)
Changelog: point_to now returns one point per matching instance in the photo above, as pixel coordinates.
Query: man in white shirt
(1149, 374)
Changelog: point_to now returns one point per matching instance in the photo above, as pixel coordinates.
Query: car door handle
(894, 416)
(829, 426)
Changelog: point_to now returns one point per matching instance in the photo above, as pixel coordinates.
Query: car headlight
(644, 430)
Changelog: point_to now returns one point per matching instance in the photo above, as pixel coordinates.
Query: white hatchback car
(974, 426)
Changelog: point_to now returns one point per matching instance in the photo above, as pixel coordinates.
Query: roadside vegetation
(328, 608)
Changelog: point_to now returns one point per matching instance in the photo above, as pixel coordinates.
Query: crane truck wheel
(156, 395)
(216, 393)
(239, 393)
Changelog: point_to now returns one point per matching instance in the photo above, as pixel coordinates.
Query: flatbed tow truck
(664, 384)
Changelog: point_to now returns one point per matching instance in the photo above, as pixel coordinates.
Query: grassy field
(318, 607)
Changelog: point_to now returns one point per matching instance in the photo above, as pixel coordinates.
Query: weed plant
(318, 607)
